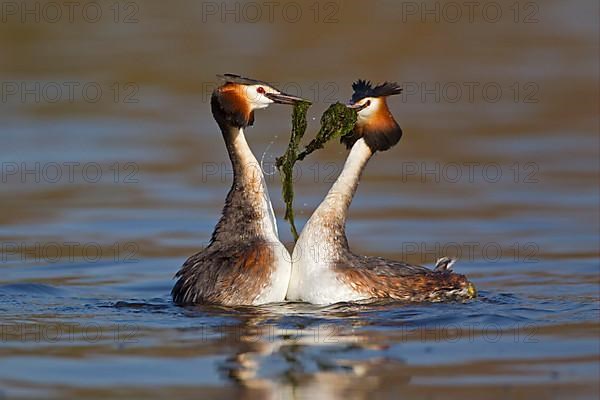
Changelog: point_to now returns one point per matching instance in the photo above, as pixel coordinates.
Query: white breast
(276, 286)
(312, 278)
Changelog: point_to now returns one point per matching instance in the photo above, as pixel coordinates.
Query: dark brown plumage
(376, 277)
(229, 274)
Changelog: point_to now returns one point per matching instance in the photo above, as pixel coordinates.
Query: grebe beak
(283, 98)
(356, 106)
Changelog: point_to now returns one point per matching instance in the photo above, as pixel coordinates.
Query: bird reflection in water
(315, 360)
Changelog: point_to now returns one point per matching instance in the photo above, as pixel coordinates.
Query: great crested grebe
(324, 270)
(244, 263)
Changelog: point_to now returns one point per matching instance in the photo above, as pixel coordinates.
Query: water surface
(103, 198)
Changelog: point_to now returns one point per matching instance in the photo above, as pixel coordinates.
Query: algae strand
(337, 121)
(285, 163)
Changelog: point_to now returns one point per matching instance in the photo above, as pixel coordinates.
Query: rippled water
(104, 196)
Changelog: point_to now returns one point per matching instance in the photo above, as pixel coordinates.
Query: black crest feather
(241, 80)
(363, 88)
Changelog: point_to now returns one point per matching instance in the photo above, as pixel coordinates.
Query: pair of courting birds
(245, 262)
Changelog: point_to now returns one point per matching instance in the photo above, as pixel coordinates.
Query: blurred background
(113, 172)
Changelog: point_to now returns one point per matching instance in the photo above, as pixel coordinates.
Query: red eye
(261, 90)
(368, 103)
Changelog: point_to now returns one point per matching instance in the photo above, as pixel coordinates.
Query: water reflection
(302, 361)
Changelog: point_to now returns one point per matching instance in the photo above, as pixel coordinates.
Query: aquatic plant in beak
(285, 163)
(336, 122)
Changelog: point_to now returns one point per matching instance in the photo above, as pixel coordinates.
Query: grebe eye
(261, 90)
(368, 103)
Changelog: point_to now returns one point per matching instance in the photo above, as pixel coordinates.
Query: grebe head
(375, 123)
(234, 102)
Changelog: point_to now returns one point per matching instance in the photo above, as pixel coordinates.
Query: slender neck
(248, 212)
(334, 209)
(246, 169)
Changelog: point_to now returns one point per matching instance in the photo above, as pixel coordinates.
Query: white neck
(323, 238)
(252, 179)
(340, 195)
(326, 227)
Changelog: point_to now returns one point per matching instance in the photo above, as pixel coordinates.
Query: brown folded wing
(232, 275)
(376, 277)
